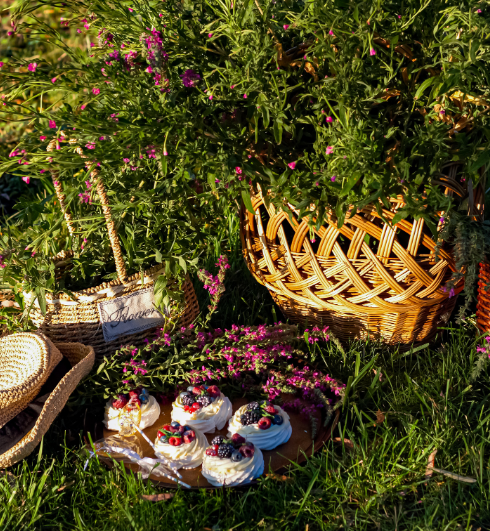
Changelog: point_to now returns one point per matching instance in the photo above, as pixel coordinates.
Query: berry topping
(133, 402)
(225, 451)
(198, 390)
(265, 423)
(236, 456)
(237, 440)
(247, 450)
(218, 439)
(164, 440)
(187, 399)
(271, 410)
(174, 424)
(204, 400)
(212, 452)
(160, 434)
(250, 417)
(119, 402)
(187, 428)
(144, 396)
(189, 436)
(196, 406)
(253, 405)
(133, 394)
(213, 391)
(216, 447)
(175, 441)
(277, 420)
(190, 388)
(166, 427)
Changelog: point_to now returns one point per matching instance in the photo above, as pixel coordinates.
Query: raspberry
(212, 452)
(119, 402)
(237, 440)
(133, 394)
(133, 402)
(166, 427)
(214, 391)
(247, 450)
(265, 423)
(160, 434)
(196, 406)
(216, 447)
(271, 410)
(175, 441)
(189, 436)
(198, 390)
(181, 429)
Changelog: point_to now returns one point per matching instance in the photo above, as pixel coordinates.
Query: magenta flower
(333, 178)
(329, 119)
(130, 10)
(126, 161)
(286, 26)
(1, 64)
(42, 171)
(442, 112)
(41, 138)
(149, 70)
(238, 170)
(210, 35)
(372, 51)
(331, 33)
(232, 86)
(329, 150)
(190, 78)
(216, 181)
(244, 96)
(441, 219)
(27, 180)
(52, 124)
(292, 165)
(90, 145)
(53, 80)
(83, 106)
(165, 154)
(210, 96)
(95, 91)
(32, 67)
(478, 11)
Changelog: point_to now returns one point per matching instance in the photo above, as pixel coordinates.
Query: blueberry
(187, 428)
(164, 440)
(236, 456)
(277, 420)
(184, 393)
(174, 424)
(212, 398)
(190, 388)
(206, 387)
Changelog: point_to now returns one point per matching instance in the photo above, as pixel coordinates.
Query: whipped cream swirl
(263, 439)
(232, 473)
(187, 455)
(206, 419)
(149, 415)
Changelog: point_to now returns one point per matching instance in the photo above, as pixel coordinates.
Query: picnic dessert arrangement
(139, 401)
(231, 462)
(183, 446)
(261, 423)
(203, 408)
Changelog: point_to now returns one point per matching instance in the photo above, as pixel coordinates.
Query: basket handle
(106, 209)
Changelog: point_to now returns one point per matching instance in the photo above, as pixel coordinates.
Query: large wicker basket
(483, 300)
(366, 278)
(77, 319)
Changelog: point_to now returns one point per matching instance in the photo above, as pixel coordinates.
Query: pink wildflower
(286, 26)
(292, 165)
(32, 67)
(329, 150)
(372, 51)
(27, 180)
(83, 106)
(95, 91)
(329, 119)
(52, 124)
(42, 137)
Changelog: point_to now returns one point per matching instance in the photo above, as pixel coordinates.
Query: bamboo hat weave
(81, 359)
(26, 361)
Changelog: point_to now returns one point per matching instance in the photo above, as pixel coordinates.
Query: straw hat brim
(82, 359)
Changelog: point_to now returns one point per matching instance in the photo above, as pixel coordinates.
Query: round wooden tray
(299, 446)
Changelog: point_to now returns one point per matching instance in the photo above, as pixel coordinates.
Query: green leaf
(482, 159)
(401, 214)
(158, 256)
(277, 128)
(424, 85)
(474, 45)
(350, 183)
(247, 201)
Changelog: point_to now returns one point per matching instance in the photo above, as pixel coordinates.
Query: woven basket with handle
(367, 278)
(77, 319)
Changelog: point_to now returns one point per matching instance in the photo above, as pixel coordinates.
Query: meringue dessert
(202, 408)
(181, 445)
(150, 410)
(261, 423)
(232, 462)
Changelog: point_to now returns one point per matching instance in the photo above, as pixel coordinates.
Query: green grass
(376, 483)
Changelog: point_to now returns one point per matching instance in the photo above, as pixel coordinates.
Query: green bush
(184, 104)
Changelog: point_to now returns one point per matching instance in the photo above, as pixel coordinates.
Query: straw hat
(26, 362)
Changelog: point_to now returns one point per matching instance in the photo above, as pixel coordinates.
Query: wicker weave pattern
(81, 358)
(394, 292)
(483, 304)
(80, 322)
(26, 360)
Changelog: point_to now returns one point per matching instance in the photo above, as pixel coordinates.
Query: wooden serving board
(299, 446)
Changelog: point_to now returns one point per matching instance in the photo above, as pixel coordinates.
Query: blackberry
(218, 440)
(225, 450)
(204, 400)
(250, 417)
(188, 399)
(253, 405)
